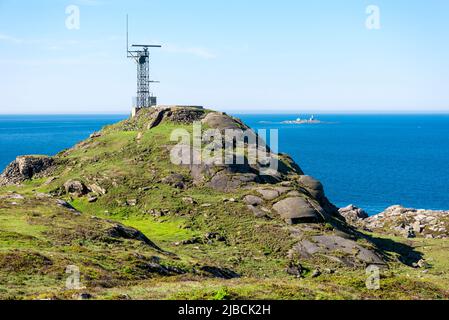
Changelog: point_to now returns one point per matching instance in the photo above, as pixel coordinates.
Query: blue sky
(234, 55)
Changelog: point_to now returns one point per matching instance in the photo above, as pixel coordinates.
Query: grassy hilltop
(140, 227)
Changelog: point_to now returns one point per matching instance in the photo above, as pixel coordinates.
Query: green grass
(257, 253)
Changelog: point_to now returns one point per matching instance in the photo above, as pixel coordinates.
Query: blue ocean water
(372, 161)
(46, 134)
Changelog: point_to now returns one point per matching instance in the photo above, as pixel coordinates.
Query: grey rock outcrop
(185, 115)
(76, 188)
(297, 210)
(224, 181)
(353, 215)
(120, 231)
(312, 185)
(337, 249)
(259, 212)
(316, 190)
(25, 168)
(269, 194)
(407, 222)
(400, 221)
(252, 200)
(221, 121)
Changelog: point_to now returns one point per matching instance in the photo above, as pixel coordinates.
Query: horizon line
(249, 112)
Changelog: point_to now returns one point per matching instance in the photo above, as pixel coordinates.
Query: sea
(371, 161)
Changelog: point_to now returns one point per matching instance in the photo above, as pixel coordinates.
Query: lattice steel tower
(140, 53)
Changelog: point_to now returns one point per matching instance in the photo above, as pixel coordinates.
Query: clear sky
(233, 55)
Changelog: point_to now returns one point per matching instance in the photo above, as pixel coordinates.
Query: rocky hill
(139, 226)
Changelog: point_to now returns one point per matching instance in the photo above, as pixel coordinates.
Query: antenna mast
(141, 55)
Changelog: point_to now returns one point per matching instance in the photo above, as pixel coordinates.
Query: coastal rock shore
(400, 221)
